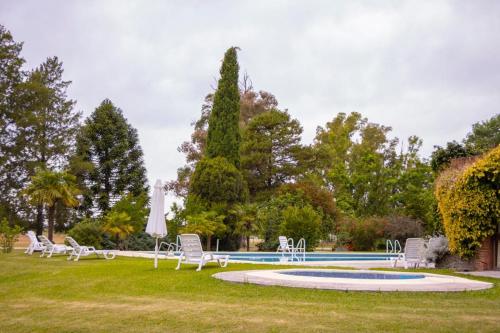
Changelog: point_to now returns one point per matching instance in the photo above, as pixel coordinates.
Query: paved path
(491, 274)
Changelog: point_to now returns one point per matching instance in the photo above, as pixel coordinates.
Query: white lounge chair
(79, 250)
(287, 246)
(51, 248)
(413, 253)
(35, 244)
(192, 253)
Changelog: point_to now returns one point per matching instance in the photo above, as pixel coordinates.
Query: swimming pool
(309, 256)
(355, 280)
(353, 275)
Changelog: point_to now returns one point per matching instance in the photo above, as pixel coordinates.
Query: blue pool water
(354, 275)
(310, 256)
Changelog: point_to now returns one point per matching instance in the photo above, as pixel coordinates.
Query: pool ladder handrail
(392, 247)
(301, 249)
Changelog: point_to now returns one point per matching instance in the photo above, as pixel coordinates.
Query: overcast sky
(430, 68)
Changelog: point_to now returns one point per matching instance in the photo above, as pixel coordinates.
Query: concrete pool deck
(431, 282)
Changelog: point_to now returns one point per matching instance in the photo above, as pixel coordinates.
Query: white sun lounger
(35, 244)
(51, 248)
(79, 251)
(192, 253)
(413, 253)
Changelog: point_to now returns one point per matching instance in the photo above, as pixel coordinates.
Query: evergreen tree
(223, 137)
(11, 76)
(47, 124)
(269, 151)
(109, 160)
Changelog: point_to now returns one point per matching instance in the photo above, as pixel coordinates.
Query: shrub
(8, 235)
(141, 242)
(302, 222)
(437, 248)
(88, 233)
(319, 198)
(402, 227)
(469, 201)
(364, 233)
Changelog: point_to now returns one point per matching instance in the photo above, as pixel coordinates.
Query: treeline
(58, 170)
(353, 185)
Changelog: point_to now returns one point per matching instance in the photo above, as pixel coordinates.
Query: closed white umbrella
(156, 222)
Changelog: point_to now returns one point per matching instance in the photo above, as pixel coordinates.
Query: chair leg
(179, 263)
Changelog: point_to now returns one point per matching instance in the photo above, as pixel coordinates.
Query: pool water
(354, 275)
(309, 256)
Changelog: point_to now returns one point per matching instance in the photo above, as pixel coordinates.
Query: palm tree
(246, 226)
(118, 225)
(48, 187)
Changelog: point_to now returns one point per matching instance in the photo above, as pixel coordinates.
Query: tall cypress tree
(223, 137)
(109, 160)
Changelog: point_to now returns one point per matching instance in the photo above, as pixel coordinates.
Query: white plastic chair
(34, 245)
(51, 248)
(192, 253)
(79, 250)
(413, 253)
(287, 246)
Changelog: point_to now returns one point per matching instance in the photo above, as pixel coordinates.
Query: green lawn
(128, 295)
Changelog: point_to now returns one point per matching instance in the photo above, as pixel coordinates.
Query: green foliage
(484, 136)
(47, 188)
(118, 225)
(109, 160)
(88, 232)
(363, 234)
(246, 225)
(135, 208)
(223, 137)
(215, 180)
(469, 201)
(441, 157)
(206, 224)
(270, 152)
(319, 198)
(141, 242)
(8, 235)
(302, 222)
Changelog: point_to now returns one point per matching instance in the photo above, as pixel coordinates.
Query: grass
(128, 295)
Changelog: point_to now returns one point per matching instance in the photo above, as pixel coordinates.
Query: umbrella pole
(156, 253)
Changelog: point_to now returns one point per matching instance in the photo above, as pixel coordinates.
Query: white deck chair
(51, 248)
(35, 244)
(192, 253)
(79, 250)
(413, 253)
(296, 252)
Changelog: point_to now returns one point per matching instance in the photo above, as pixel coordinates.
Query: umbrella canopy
(156, 221)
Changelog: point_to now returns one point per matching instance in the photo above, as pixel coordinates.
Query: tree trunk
(39, 220)
(248, 243)
(208, 242)
(50, 217)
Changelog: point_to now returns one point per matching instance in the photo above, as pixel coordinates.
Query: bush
(364, 233)
(402, 227)
(319, 198)
(437, 248)
(302, 222)
(88, 233)
(8, 235)
(468, 197)
(142, 242)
